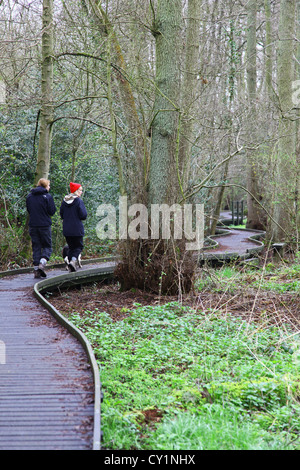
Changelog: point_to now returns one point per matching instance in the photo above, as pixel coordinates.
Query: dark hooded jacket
(41, 207)
(73, 211)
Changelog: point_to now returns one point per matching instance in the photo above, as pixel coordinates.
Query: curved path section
(49, 399)
(233, 243)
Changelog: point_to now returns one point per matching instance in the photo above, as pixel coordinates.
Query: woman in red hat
(73, 212)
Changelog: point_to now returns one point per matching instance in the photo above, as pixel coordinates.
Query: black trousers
(75, 245)
(41, 243)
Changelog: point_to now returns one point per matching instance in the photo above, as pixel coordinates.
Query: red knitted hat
(74, 187)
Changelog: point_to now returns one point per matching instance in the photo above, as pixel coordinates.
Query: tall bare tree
(255, 217)
(46, 109)
(163, 183)
(127, 100)
(297, 199)
(190, 90)
(285, 183)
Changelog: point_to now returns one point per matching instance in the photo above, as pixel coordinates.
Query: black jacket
(72, 215)
(41, 207)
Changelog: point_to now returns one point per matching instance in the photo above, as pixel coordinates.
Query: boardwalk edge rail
(72, 279)
(29, 269)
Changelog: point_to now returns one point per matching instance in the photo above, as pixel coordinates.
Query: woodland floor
(249, 304)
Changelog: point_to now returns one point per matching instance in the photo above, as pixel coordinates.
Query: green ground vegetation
(276, 277)
(177, 377)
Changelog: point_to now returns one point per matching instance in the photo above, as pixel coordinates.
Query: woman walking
(41, 207)
(73, 212)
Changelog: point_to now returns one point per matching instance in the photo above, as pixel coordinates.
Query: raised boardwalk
(46, 383)
(233, 243)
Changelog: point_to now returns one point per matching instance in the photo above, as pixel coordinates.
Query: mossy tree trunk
(163, 181)
(190, 89)
(283, 226)
(162, 265)
(46, 110)
(255, 219)
(297, 75)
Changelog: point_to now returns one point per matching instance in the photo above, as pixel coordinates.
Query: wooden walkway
(46, 383)
(233, 242)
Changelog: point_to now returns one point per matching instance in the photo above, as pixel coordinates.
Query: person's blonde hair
(43, 182)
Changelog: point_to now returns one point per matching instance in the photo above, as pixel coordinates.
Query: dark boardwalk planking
(237, 241)
(46, 383)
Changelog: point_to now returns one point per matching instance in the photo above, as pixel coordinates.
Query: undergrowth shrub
(163, 267)
(265, 393)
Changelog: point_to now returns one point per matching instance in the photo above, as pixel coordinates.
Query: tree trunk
(231, 89)
(127, 100)
(46, 113)
(220, 196)
(297, 105)
(163, 182)
(161, 264)
(284, 204)
(255, 217)
(189, 90)
(268, 49)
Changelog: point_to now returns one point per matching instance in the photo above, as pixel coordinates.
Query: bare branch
(80, 119)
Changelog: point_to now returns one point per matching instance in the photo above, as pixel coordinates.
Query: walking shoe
(37, 274)
(41, 270)
(72, 266)
(79, 261)
(66, 260)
